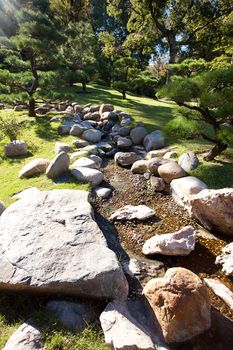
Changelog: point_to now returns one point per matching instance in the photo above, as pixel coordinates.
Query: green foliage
(181, 90)
(10, 127)
(213, 93)
(189, 67)
(144, 84)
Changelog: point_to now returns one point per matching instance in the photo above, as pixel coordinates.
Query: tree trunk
(31, 111)
(172, 54)
(124, 95)
(214, 152)
(172, 48)
(84, 85)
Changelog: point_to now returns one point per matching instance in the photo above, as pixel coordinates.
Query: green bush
(10, 127)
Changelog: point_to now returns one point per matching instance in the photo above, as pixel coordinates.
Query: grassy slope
(41, 137)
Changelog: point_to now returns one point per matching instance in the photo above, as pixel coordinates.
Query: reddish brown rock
(181, 304)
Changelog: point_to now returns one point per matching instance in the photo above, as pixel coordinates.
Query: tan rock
(214, 209)
(140, 167)
(36, 166)
(58, 166)
(184, 188)
(170, 171)
(181, 304)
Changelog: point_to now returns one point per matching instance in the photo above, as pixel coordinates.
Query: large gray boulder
(95, 177)
(184, 188)
(137, 135)
(188, 161)
(16, 148)
(35, 167)
(57, 247)
(154, 140)
(26, 337)
(214, 209)
(92, 135)
(58, 166)
(126, 159)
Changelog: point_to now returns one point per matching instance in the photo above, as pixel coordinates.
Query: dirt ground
(135, 190)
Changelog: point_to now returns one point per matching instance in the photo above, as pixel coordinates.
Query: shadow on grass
(215, 175)
(98, 95)
(44, 129)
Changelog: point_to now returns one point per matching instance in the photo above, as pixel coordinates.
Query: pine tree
(31, 57)
(207, 108)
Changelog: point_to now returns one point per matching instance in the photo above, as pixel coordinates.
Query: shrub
(10, 127)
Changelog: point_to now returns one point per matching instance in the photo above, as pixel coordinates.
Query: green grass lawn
(41, 137)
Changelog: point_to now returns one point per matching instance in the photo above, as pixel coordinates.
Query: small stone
(124, 143)
(122, 331)
(221, 290)
(77, 130)
(35, 167)
(157, 184)
(64, 129)
(60, 147)
(102, 192)
(188, 161)
(138, 134)
(106, 108)
(131, 212)
(147, 176)
(16, 148)
(126, 158)
(154, 140)
(170, 155)
(124, 131)
(84, 162)
(95, 177)
(92, 135)
(154, 163)
(98, 160)
(170, 171)
(58, 166)
(80, 143)
(126, 121)
(26, 337)
(181, 242)
(140, 167)
(158, 153)
(226, 259)
(184, 188)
